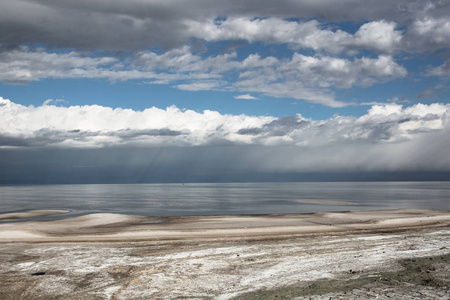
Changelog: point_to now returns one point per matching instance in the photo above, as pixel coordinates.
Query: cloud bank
(388, 138)
(137, 25)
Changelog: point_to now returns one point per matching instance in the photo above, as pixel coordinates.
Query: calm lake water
(225, 198)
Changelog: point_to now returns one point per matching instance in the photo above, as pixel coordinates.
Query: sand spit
(327, 202)
(30, 214)
(353, 255)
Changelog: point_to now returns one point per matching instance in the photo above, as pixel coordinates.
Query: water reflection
(226, 198)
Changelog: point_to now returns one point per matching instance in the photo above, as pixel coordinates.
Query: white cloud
(246, 97)
(95, 126)
(311, 78)
(98, 126)
(303, 77)
(379, 35)
(182, 60)
(329, 71)
(429, 34)
(288, 89)
(55, 101)
(387, 138)
(24, 65)
(441, 71)
(376, 35)
(199, 86)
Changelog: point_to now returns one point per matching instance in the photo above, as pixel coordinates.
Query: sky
(96, 91)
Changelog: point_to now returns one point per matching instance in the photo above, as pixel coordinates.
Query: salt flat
(108, 256)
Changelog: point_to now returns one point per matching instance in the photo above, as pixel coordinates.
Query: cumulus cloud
(429, 34)
(173, 144)
(379, 35)
(376, 35)
(330, 71)
(103, 126)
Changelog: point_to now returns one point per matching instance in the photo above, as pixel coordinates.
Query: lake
(225, 198)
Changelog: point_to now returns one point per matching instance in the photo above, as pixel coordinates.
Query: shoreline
(118, 227)
(360, 254)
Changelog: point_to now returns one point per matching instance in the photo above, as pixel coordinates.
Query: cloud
(441, 71)
(310, 78)
(246, 97)
(329, 71)
(103, 126)
(49, 144)
(300, 77)
(49, 125)
(376, 35)
(429, 34)
(431, 91)
(22, 65)
(55, 101)
(148, 42)
(138, 25)
(199, 86)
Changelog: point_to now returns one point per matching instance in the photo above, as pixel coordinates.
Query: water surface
(225, 198)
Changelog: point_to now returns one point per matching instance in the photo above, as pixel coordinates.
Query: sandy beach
(341, 255)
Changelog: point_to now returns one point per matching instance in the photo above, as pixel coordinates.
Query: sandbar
(326, 202)
(30, 214)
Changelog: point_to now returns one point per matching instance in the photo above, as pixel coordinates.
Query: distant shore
(114, 256)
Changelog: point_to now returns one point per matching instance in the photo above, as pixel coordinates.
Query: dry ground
(402, 254)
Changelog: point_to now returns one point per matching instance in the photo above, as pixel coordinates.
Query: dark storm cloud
(137, 24)
(223, 163)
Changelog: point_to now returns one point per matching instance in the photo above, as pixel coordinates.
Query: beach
(339, 255)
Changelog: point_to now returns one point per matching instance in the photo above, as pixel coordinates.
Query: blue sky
(310, 76)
